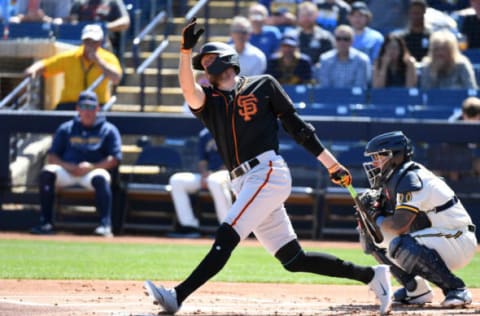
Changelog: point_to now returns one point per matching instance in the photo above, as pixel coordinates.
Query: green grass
(27, 259)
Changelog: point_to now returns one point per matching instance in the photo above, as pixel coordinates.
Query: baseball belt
(244, 168)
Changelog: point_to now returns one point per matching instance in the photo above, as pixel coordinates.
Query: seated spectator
(345, 66)
(265, 37)
(81, 67)
(389, 15)
(283, 14)
(366, 39)
(83, 152)
(470, 111)
(394, 67)
(471, 26)
(332, 13)
(113, 12)
(416, 34)
(444, 66)
(313, 40)
(47, 11)
(288, 65)
(212, 175)
(252, 59)
(7, 9)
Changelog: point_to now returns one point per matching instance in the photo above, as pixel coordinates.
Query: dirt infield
(77, 297)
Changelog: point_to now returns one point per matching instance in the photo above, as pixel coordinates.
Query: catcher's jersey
(244, 121)
(434, 192)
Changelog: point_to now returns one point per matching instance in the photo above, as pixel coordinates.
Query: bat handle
(352, 191)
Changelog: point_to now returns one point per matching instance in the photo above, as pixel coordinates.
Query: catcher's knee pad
(291, 256)
(419, 260)
(226, 239)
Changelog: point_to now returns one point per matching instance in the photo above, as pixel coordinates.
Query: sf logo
(248, 106)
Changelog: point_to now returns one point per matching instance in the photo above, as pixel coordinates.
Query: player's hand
(340, 175)
(189, 36)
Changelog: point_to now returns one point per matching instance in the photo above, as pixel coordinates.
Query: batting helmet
(394, 147)
(227, 57)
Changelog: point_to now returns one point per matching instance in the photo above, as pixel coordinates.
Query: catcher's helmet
(227, 57)
(388, 151)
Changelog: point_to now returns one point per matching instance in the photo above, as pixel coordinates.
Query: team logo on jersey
(404, 198)
(248, 106)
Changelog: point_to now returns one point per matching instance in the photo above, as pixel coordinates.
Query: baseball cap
(360, 7)
(88, 98)
(289, 40)
(93, 32)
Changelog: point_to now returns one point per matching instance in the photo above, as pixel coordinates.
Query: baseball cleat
(381, 285)
(167, 298)
(421, 295)
(457, 298)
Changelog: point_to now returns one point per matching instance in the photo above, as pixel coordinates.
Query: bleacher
(344, 119)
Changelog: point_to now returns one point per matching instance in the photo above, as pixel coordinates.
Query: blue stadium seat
(430, 112)
(298, 93)
(448, 97)
(324, 109)
(394, 96)
(29, 30)
(379, 111)
(339, 95)
(473, 54)
(72, 33)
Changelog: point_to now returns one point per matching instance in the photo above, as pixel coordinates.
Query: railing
(202, 4)
(140, 69)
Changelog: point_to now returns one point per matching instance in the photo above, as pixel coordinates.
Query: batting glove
(189, 36)
(340, 175)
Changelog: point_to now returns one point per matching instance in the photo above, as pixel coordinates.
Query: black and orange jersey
(244, 121)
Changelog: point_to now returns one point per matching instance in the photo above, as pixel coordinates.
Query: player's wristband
(380, 220)
(185, 51)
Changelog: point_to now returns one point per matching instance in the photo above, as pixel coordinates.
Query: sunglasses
(343, 38)
(87, 107)
(243, 32)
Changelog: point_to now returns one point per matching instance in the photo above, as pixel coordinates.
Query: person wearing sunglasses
(344, 66)
(84, 152)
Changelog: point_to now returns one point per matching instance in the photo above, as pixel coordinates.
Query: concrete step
(147, 108)
(169, 77)
(130, 95)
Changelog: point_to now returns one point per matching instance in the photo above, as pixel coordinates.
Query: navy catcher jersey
(244, 121)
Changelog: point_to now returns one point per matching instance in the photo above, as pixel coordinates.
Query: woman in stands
(394, 67)
(445, 66)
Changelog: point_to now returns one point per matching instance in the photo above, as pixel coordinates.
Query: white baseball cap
(93, 32)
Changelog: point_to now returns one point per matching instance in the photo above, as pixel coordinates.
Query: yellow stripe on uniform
(407, 208)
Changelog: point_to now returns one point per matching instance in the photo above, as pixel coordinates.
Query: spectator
(313, 40)
(366, 39)
(345, 66)
(81, 67)
(283, 13)
(212, 175)
(444, 66)
(265, 37)
(332, 13)
(252, 59)
(8, 9)
(470, 111)
(48, 11)
(288, 65)
(417, 34)
(112, 12)
(471, 26)
(389, 15)
(394, 67)
(83, 152)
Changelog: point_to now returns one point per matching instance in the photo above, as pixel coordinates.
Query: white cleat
(167, 298)
(382, 287)
(421, 295)
(457, 298)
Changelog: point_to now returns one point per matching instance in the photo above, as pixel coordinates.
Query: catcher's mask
(388, 151)
(226, 57)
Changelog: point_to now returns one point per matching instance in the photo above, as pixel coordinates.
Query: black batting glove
(340, 175)
(189, 36)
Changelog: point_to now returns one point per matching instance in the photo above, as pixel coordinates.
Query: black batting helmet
(396, 147)
(227, 57)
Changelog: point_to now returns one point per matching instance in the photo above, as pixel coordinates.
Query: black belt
(471, 228)
(446, 205)
(244, 168)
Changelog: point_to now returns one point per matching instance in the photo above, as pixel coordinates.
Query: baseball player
(212, 175)
(427, 230)
(242, 113)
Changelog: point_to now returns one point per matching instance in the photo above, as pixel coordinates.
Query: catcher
(427, 231)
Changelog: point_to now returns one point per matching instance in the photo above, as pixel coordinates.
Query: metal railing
(193, 12)
(161, 17)
(26, 95)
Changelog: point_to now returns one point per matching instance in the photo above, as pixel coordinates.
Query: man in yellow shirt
(81, 67)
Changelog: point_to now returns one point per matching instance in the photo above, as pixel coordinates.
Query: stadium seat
(395, 96)
(339, 95)
(29, 30)
(324, 109)
(448, 97)
(473, 55)
(71, 33)
(298, 93)
(379, 111)
(430, 112)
